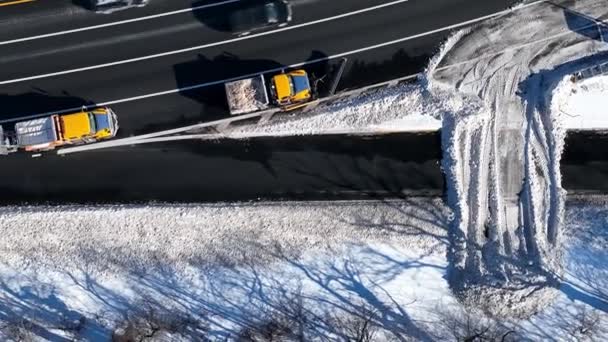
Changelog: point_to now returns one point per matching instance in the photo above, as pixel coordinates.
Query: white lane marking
(207, 84)
(122, 22)
(199, 47)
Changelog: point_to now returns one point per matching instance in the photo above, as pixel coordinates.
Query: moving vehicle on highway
(254, 16)
(109, 6)
(287, 90)
(47, 133)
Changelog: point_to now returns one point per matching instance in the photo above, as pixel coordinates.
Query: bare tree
(271, 330)
(586, 323)
(18, 330)
(154, 324)
(470, 325)
(358, 328)
(72, 328)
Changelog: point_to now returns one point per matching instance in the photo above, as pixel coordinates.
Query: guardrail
(219, 126)
(599, 69)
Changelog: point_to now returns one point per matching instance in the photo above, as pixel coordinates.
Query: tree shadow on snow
(38, 311)
(319, 299)
(240, 295)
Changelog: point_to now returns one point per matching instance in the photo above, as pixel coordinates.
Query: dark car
(109, 6)
(259, 15)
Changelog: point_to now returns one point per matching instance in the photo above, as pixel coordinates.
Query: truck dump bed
(246, 96)
(36, 132)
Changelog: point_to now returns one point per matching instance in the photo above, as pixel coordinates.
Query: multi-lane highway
(162, 54)
(56, 56)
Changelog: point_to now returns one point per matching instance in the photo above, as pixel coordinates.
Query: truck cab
(291, 88)
(88, 126)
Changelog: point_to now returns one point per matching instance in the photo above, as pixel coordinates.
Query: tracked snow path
(503, 162)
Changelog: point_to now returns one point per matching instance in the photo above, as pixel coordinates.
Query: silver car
(254, 16)
(109, 6)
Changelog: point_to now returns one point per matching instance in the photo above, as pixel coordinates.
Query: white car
(109, 6)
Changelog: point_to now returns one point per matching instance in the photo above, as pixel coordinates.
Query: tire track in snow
(523, 184)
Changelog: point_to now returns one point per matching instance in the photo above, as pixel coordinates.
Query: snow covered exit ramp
(502, 158)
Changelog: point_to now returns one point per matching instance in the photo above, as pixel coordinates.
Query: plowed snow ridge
(503, 163)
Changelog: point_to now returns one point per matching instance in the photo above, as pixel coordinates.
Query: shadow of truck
(201, 80)
(38, 102)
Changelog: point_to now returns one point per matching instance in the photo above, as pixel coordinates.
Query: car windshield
(271, 13)
(300, 83)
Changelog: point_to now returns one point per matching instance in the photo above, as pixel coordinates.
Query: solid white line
(122, 22)
(202, 85)
(199, 47)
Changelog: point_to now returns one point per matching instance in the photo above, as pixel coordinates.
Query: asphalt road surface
(323, 167)
(91, 48)
(35, 79)
(307, 168)
(584, 164)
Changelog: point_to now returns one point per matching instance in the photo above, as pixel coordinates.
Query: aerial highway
(127, 64)
(152, 65)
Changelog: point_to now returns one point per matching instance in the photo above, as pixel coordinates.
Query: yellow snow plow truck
(287, 90)
(56, 130)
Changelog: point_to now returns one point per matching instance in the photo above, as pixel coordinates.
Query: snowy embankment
(291, 269)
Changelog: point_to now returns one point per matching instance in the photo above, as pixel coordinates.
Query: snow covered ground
(502, 161)
(314, 269)
(584, 104)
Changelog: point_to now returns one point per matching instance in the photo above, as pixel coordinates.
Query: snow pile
(245, 96)
(502, 163)
(584, 104)
(410, 107)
